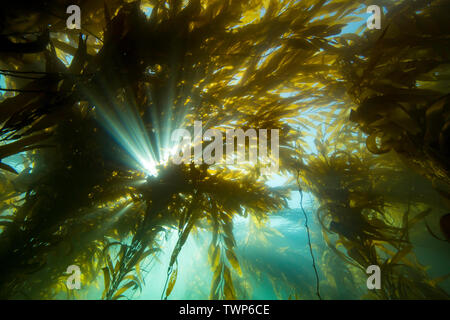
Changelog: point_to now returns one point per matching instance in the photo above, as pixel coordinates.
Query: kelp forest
(355, 116)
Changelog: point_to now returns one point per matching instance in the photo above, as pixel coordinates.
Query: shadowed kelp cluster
(86, 119)
(363, 226)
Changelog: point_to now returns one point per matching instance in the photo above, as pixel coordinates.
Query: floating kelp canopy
(86, 118)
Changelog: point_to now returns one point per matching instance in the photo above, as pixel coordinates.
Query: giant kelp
(249, 64)
(370, 230)
(399, 80)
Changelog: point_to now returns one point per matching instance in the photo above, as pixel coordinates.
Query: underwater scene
(225, 150)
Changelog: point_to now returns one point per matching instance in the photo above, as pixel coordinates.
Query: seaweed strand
(309, 241)
(169, 273)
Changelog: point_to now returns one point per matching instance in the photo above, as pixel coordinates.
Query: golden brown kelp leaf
(223, 241)
(173, 279)
(123, 274)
